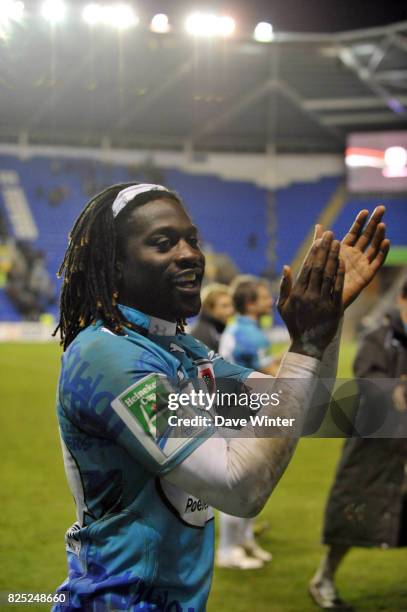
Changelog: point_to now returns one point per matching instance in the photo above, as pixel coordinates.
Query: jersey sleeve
(109, 391)
(225, 370)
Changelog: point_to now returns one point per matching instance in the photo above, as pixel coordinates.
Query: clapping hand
(363, 250)
(311, 307)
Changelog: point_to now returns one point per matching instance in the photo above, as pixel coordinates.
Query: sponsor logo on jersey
(189, 509)
(195, 505)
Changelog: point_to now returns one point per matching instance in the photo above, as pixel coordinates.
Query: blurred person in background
(39, 282)
(367, 505)
(245, 343)
(28, 283)
(217, 308)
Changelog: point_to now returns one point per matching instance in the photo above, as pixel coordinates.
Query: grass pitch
(37, 508)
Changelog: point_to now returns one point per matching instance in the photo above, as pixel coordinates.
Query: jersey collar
(153, 325)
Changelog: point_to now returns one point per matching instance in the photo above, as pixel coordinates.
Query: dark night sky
(285, 15)
(326, 15)
(292, 15)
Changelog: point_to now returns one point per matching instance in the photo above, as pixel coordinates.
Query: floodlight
(11, 10)
(53, 10)
(208, 24)
(201, 24)
(226, 26)
(92, 14)
(160, 24)
(120, 16)
(263, 32)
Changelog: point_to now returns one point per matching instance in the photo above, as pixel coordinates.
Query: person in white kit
(244, 343)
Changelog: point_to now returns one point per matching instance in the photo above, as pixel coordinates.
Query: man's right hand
(311, 307)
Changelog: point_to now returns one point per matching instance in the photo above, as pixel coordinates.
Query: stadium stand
(56, 189)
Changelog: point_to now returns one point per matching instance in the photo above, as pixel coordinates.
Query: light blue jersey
(245, 343)
(139, 542)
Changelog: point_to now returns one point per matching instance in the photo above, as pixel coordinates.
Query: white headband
(126, 195)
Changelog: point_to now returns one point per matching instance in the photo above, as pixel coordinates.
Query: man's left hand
(363, 250)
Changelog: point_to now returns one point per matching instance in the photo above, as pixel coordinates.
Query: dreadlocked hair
(88, 292)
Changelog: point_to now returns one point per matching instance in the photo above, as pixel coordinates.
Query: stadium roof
(299, 93)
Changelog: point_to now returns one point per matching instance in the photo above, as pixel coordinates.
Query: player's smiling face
(161, 263)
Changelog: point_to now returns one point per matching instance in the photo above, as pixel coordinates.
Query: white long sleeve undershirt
(237, 475)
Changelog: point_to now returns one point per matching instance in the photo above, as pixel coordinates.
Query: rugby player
(245, 343)
(143, 539)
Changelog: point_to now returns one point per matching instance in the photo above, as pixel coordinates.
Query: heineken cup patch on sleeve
(144, 409)
(145, 400)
